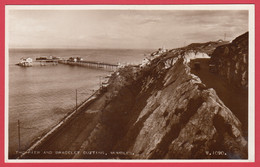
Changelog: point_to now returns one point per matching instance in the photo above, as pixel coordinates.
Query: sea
(41, 96)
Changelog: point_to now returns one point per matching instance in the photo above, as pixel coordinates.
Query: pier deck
(91, 64)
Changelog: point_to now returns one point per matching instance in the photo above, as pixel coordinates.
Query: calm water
(41, 96)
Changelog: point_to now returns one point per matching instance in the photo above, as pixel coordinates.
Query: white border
(251, 85)
(132, 7)
(251, 95)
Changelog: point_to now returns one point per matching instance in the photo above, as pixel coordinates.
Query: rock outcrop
(231, 61)
(162, 111)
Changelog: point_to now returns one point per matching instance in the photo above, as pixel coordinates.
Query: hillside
(162, 111)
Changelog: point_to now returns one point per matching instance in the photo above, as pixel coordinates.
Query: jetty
(91, 64)
(46, 62)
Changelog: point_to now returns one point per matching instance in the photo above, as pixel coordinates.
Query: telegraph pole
(19, 137)
(76, 100)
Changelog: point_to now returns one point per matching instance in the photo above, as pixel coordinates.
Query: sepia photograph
(129, 83)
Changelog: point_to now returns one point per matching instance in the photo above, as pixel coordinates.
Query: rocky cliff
(161, 111)
(231, 61)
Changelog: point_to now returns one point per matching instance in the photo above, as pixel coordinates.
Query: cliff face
(162, 111)
(185, 120)
(231, 61)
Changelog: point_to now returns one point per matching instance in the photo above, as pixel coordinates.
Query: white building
(26, 62)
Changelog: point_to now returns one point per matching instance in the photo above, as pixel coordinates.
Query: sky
(123, 29)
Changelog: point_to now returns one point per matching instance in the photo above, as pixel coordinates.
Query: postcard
(129, 83)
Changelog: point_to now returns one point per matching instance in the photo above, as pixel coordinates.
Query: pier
(43, 61)
(46, 62)
(91, 64)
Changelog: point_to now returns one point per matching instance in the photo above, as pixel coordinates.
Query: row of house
(152, 56)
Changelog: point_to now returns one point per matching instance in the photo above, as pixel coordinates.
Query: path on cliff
(235, 99)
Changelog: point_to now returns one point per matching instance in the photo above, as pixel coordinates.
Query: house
(26, 62)
(162, 50)
(159, 52)
(79, 59)
(75, 59)
(72, 59)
